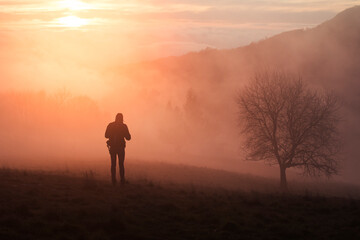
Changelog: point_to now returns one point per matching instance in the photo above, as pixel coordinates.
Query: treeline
(42, 124)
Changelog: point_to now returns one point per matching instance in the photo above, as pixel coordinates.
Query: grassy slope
(41, 205)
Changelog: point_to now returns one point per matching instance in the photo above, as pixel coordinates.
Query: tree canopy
(286, 123)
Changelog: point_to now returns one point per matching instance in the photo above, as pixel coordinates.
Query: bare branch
(285, 123)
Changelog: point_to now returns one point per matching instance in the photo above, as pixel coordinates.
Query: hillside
(196, 92)
(43, 205)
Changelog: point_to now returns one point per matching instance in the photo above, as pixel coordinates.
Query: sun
(72, 21)
(70, 8)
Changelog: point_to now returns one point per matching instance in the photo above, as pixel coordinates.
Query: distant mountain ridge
(311, 52)
(199, 89)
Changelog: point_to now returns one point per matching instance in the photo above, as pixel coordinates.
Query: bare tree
(286, 123)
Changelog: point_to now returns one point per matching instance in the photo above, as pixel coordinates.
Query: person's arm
(107, 132)
(127, 133)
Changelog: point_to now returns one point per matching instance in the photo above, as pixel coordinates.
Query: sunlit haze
(62, 40)
(67, 67)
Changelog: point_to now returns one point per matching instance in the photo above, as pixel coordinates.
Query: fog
(167, 123)
(178, 109)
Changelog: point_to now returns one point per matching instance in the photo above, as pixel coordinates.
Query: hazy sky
(79, 45)
(62, 40)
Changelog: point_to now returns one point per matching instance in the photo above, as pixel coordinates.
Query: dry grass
(43, 205)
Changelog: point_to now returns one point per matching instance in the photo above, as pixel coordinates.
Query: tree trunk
(283, 182)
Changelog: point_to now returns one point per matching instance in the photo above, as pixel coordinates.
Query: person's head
(119, 118)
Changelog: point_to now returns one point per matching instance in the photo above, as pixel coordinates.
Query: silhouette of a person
(117, 132)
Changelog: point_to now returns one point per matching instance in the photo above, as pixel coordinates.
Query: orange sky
(71, 43)
(78, 47)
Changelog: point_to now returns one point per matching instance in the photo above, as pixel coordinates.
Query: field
(84, 205)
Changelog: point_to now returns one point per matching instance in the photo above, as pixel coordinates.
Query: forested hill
(201, 87)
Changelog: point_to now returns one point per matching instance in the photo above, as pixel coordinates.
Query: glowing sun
(72, 21)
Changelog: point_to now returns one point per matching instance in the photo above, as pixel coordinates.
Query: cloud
(228, 10)
(139, 25)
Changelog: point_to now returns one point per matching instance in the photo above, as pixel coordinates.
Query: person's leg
(113, 167)
(121, 165)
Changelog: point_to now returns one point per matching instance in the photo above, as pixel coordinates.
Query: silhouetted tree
(286, 123)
